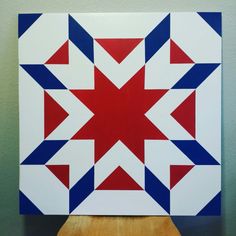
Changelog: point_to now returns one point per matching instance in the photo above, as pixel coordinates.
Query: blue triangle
(212, 207)
(25, 21)
(213, 19)
(27, 206)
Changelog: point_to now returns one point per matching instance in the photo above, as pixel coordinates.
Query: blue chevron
(157, 190)
(44, 152)
(213, 207)
(81, 38)
(213, 19)
(43, 76)
(157, 37)
(25, 21)
(82, 189)
(195, 76)
(27, 207)
(195, 152)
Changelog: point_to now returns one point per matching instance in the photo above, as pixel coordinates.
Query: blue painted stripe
(213, 207)
(25, 21)
(195, 76)
(214, 19)
(44, 152)
(157, 190)
(27, 207)
(195, 152)
(156, 39)
(81, 38)
(44, 77)
(82, 189)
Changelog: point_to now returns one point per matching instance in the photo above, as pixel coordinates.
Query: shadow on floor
(43, 225)
(199, 225)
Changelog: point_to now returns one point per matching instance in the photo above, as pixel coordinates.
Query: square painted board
(120, 113)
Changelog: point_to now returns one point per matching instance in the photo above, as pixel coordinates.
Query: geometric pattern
(120, 113)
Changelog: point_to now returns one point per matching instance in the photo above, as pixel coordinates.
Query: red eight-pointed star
(119, 114)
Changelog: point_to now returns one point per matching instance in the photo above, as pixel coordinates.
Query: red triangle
(119, 49)
(119, 180)
(177, 172)
(61, 56)
(54, 114)
(185, 114)
(61, 172)
(177, 55)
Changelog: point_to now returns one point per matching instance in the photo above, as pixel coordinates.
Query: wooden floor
(118, 226)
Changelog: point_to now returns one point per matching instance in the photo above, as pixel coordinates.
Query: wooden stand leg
(118, 226)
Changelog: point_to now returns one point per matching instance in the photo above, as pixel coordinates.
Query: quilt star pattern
(120, 113)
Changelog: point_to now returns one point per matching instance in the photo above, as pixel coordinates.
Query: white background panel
(111, 25)
(47, 34)
(78, 74)
(159, 155)
(119, 73)
(208, 114)
(79, 155)
(78, 116)
(31, 109)
(201, 43)
(159, 73)
(195, 190)
(119, 203)
(44, 189)
(160, 114)
(119, 155)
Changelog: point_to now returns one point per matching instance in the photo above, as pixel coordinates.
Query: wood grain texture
(118, 226)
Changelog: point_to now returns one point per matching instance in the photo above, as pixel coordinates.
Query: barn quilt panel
(120, 113)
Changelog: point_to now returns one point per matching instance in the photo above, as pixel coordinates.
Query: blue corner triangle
(213, 207)
(27, 207)
(25, 21)
(213, 19)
